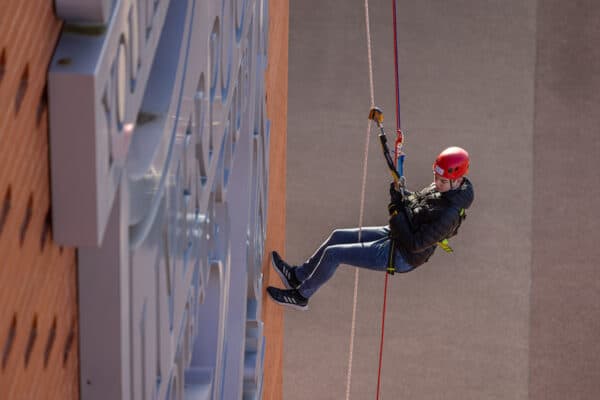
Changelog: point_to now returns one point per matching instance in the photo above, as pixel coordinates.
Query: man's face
(442, 184)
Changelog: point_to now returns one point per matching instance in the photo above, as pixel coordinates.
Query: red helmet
(452, 163)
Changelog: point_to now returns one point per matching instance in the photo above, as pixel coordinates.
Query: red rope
(382, 333)
(398, 133)
(397, 78)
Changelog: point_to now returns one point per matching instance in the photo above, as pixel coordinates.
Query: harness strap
(391, 268)
(444, 244)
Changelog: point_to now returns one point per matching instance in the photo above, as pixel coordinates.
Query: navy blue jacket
(427, 217)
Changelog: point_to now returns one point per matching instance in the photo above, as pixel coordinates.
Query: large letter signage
(159, 152)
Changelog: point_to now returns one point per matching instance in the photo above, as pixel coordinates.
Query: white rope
(362, 203)
(368, 29)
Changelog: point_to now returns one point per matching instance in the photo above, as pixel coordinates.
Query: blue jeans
(343, 247)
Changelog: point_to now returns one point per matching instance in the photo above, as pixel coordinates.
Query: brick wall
(277, 95)
(38, 298)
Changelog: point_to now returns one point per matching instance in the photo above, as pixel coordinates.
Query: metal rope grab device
(396, 165)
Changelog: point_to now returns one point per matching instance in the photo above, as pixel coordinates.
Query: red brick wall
(38, 298)
(277, 94)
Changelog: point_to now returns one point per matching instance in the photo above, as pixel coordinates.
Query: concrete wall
(565, 312)
(512, 314)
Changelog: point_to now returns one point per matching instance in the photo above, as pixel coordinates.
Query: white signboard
(159, 163)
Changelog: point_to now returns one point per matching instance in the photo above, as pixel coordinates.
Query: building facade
(154, 237)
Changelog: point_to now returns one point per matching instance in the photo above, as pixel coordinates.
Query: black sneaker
(290, 298)
(285, 271)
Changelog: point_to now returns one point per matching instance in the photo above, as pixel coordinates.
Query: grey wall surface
(513, 314)
(565, 324)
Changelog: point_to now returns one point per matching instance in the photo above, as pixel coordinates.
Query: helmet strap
(460, 180)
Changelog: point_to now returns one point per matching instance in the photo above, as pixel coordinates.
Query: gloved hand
(395, 196)
(400, 225)
(396, 200)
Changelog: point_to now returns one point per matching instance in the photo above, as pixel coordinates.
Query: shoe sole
(284, 280)
(289, 305)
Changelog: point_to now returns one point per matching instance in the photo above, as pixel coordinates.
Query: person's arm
(426, 235)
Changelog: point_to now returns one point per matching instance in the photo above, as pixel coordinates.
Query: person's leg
(372, 255)
(338, 237)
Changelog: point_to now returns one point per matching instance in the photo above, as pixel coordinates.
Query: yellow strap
(444, 243)
(390, 267)
(445, 246)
